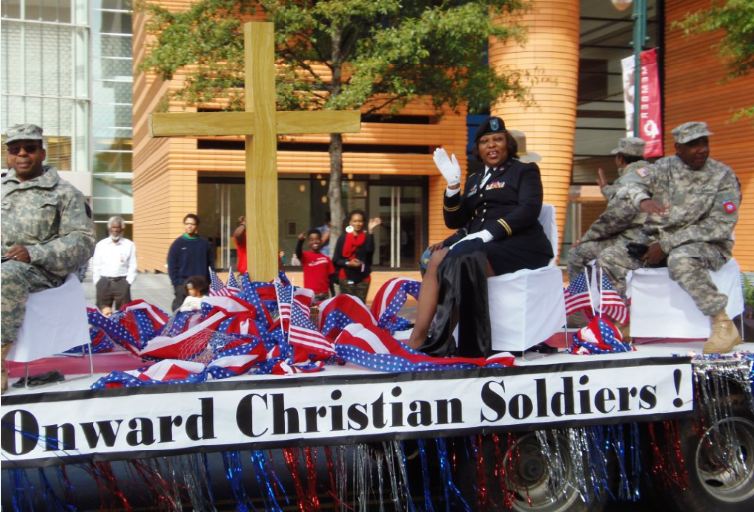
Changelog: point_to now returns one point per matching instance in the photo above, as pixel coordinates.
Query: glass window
(115, 22)
(113, 161)
(401, 204)
(114, 46)
(11, 9)
(118, 5)
(112, 67)
(48, 10)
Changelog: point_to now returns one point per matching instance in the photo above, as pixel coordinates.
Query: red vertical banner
(650, 109)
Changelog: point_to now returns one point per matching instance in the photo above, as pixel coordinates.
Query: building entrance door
(401, 238)
(220, 206)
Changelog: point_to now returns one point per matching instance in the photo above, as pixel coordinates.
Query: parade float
(250, 404)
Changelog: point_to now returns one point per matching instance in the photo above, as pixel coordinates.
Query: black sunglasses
(29, 148)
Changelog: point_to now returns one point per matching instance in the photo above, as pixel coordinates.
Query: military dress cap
(630, 146)
(491, 125)
(525, 156)
(26, 131)
(690, 131)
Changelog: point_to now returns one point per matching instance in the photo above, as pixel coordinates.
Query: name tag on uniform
(494, 185)
(473, 190)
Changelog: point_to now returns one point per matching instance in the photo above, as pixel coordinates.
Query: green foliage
(379, 51)
(748, 291)
(736, 19)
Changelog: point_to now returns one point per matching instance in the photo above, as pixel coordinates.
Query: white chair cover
(55, 321)
(527, 307)
(662, 309)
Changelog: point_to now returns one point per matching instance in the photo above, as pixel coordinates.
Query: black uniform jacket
(507, 204)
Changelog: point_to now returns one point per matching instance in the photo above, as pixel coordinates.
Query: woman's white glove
(449, 167)
(485, 235)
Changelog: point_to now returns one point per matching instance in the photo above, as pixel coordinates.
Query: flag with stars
(339, 311)
(611, 303)
(232, 284)
(143, 320)
(599, 336)
(376, 349)
(167, 371)
(99, 339)
(216, 286)
(113, 329)
(307, 342)
(189, 343)
(389, 300)
(577, 296)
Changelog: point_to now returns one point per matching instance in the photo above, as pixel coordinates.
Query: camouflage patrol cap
(690, 131)
(630, 146)
(26, 131)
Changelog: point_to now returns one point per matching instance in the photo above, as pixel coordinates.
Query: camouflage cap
(525, 156)
(24, 131)
(690, 131)
(630, 146)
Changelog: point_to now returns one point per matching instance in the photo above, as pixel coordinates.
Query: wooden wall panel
(696, 89)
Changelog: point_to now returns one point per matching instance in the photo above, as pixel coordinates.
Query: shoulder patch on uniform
(729, 207)
(642, 171)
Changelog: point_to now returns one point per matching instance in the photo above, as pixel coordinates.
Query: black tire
(537, 487)
(720, 463)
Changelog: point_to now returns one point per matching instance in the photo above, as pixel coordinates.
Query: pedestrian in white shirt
(114, 266)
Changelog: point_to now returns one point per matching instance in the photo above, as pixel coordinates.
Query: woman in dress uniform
(498, 233)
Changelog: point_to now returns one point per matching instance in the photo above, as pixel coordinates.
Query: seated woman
(498, 233)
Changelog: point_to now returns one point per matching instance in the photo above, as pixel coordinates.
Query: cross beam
(260, 124)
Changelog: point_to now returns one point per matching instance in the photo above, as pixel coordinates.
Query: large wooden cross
(261, 124)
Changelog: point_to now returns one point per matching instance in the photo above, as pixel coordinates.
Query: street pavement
(154, 288)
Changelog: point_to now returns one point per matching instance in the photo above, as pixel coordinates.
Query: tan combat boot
(5, 350)
(724, 335)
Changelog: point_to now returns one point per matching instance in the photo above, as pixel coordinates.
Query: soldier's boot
(724, 335)
(5, 350)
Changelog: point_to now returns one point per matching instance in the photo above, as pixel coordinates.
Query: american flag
(256, 293)
(599, 336)
(341, 310)
(284, 298)
(217, 288)
(169, 370)
(189, 343)
(307, 342)
(376, 349)
(233, 284)
(577, 295)
(390, 299)
(611, 303)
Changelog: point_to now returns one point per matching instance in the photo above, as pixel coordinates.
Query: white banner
(114, 424)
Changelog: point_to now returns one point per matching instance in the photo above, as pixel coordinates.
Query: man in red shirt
(317, 266)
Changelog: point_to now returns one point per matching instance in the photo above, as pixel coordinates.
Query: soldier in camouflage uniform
(617, 225)
(696, 200)
(47, 232)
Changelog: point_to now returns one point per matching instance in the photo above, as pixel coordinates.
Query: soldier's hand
(652, 206)
(18, 253)
(601, 180)
(654, 254)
